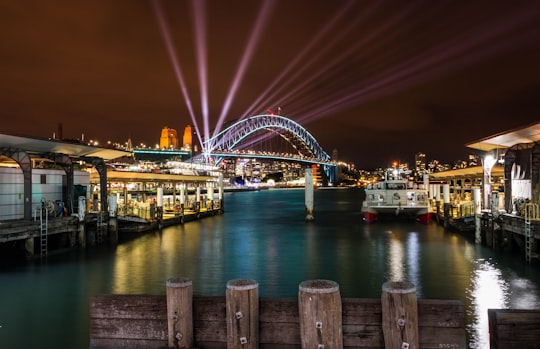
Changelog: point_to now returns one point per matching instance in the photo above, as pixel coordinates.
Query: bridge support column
(309, 194)
(29, 247)
(220, 192)
(113, 220)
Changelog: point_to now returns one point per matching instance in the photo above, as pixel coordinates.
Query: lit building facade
(187, 141)
(420, 163)
(168, 139)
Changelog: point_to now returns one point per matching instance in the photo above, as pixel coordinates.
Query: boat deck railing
(149, 211)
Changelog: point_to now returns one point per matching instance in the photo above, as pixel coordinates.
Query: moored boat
(396, 196)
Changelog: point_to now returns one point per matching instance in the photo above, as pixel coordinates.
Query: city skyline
(378, 81)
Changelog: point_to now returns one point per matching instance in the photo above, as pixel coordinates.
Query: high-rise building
(188, 138)
(420, 163)
(168, 139)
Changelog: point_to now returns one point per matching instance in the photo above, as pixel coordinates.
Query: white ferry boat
(396, 196)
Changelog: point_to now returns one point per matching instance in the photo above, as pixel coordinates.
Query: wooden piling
(180, 313)
(399, 315)
(242, 309)
(320, 313)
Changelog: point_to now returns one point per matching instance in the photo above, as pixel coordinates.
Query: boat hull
(375, 213)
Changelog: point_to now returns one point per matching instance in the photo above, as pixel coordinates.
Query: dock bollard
(180, 313)
(242, 303)
(399, 315)
(320, 311)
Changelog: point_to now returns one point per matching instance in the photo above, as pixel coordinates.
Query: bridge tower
(317, 174)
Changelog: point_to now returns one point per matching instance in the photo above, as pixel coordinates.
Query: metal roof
(528, 134)
(127, 176)
(475, 171)
(41, 145)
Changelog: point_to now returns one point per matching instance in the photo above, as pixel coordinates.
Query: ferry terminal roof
(43, 145)
(528, 134)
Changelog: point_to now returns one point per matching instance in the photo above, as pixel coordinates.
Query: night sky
(376, 80)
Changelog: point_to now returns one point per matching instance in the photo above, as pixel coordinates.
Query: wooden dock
(514, 328)
(141, 321)
(38, 237)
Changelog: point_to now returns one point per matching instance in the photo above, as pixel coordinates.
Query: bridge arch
(232, 135)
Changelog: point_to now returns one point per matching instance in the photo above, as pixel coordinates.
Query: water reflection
(487, 290)
(413, 262)
(404, 258)
(396, 267)
(274, 246)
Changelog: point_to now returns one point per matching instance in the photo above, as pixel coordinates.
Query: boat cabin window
(396, 186)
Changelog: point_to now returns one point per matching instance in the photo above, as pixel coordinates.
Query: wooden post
(446, 193)
(220, 192)
(399, 315)
(180, 312)
(113, 220)
(447, 212)
(242, 298)
(477, 202)
(29, 246)
(320, 313)
(159, 203)
(198, 198)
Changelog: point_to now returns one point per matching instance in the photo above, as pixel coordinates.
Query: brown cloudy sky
(378, 80)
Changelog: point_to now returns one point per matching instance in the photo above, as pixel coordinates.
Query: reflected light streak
(174, 61)
(260, 22)
(488, 290)
(257, 104)
(198, 8)
(413, 262)
(395, 260)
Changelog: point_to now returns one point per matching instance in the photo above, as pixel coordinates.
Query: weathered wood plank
(279, 310)
(364, 311)
(280, 333)
(441, 322)
(514, 328)
(210, 331)
(108, 343)
(209, 308)
(129, 329)
(363, 336)
(441, 313)
(441, 337)
(128, 307)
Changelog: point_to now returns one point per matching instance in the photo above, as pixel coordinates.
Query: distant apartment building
(420, 163)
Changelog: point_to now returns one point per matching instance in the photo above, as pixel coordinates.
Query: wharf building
(499, 199)
(70, 194)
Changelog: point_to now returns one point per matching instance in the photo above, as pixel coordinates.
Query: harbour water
(263, 236)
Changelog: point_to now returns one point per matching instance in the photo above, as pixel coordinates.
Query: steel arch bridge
(304, 143)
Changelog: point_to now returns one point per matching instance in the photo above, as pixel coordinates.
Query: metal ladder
(99, 228)
(44, 231)
(531, 212)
